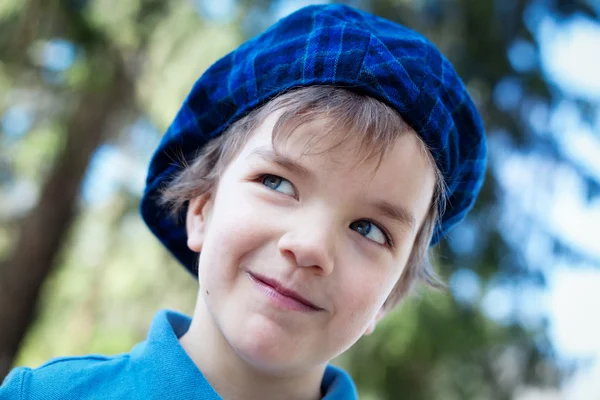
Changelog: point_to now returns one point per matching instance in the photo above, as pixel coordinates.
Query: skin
(307, 230)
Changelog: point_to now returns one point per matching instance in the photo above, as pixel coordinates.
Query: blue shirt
(157, 368)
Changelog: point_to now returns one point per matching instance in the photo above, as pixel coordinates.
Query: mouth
(283, 296)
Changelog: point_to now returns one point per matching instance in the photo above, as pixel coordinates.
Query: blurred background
(87, 87)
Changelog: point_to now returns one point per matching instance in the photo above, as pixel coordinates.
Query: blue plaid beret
(328, 45)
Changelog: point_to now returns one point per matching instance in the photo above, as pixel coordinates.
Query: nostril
(306, 251)
(288, 254)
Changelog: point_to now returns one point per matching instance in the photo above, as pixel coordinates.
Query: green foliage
(8, 8)
(112, 280)
(32, 155)
(433, 348)
(113, 275)
(179, 50)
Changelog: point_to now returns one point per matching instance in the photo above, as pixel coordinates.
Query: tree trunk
(46, 226)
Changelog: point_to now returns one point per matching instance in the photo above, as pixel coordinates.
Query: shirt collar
(166, 365)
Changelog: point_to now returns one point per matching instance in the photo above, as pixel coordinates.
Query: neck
(235, 378)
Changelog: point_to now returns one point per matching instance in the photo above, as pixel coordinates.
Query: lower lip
(281, 300)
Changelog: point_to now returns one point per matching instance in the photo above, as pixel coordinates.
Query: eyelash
(389, 243)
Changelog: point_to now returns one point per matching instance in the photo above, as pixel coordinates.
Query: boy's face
(299, 252)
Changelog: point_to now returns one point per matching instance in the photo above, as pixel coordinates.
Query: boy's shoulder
(157, 368)
(90, 376)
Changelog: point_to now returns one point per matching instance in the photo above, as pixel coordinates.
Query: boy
(317, 158)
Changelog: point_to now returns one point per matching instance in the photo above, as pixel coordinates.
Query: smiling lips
(282, 296)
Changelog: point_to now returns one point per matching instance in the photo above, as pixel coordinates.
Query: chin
(268, 347)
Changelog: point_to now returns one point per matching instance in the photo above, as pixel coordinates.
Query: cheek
(368, 277)
(235, 231)
(361, 297)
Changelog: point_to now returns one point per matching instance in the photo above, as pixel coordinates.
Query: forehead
(402, 175)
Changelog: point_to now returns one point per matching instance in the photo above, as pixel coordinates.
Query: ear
(374, 322)
(196, 219)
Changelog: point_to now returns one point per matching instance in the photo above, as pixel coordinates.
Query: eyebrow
(281, 160)
(399, 214)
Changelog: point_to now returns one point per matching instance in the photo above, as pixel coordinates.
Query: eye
(371, 231)
(278, 184)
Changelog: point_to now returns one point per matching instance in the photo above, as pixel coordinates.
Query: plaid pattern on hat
(339, 46)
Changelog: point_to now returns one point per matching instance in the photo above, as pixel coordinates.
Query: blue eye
(370, 231)
(278, 184)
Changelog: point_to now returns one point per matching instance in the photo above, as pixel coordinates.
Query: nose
(311, 244)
